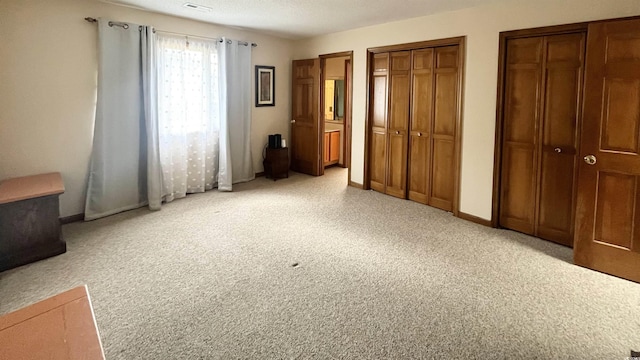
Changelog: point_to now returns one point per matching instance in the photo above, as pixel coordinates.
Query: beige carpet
(211, 277)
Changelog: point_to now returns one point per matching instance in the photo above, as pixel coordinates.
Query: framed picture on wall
(265, 85)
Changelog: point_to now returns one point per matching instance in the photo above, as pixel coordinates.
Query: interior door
(544, 77)
(421, 121)
(563, 80)
(305, 135)
(608, 206)
(378, 146)
(397, 139)
(445, 116)
(519, 144)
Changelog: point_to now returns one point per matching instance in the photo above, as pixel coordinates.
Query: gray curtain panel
(118, 171)
(235, 97)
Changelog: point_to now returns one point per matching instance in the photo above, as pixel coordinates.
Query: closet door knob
(558, 150)
(419, 134)
(590, 159)
(293, 121)
(397, 132)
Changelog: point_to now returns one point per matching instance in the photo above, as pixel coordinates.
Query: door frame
(502, 64)
(346, 143)
(459, 41)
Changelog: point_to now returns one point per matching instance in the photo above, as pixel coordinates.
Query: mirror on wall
(334, 100)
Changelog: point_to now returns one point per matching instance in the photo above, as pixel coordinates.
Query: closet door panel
(397, 171)
(517, 208)
(399, 102)
(379, 102)
(519, 147)
(445, 102)
(442, 174)
(378, 164)
(444, 128)
(562, 94)
(555, 220)
(419, 168)
(398, 123)
(421, 120)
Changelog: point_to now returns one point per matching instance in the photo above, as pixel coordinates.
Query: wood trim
(417, 45)
(348, 116)
(356, 185)
(260, 174)
(546, 30)
(366, 177)
(337, 54)
(71, 219)
(497, 151)
(461, 43)
(321, 120)
(559, 29)
(474, 219)
(462, 51)
(502, 59)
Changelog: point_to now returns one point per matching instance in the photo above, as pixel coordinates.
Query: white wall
(482, 26)
(48, 68)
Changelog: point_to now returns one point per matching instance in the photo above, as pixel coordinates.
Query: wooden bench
(62, 327)
(29, 219)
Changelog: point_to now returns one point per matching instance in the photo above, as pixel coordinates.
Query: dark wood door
(305, 135)
(543, 85)
(421, 121)
(398, 124)
(557, 168)
(519, 155)
(608, 205)
(378, 146)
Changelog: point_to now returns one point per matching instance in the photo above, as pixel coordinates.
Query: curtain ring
(125, 26)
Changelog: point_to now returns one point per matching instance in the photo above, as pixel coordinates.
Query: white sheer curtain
(188, 115)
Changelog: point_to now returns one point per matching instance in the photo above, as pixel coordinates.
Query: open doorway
(335, 110)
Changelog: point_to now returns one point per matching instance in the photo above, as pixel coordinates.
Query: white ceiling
(296, 19)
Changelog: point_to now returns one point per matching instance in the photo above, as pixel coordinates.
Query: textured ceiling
(296, 19)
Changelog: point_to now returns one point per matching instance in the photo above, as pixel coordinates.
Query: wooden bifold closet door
(414, 106)
(542, 100)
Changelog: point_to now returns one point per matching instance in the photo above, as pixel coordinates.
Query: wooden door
(398, 125)
(608, 205)
(540, 135)
(445, 118)
(521, 118)
(421, 122)
(305, 133)
(378, 137)
(560, 111)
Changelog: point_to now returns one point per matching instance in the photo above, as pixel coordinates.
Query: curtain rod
(126, 26)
